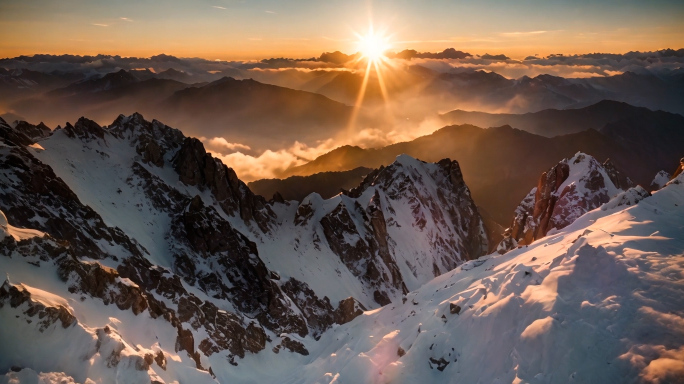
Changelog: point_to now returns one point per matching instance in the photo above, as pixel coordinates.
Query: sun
(373, 46)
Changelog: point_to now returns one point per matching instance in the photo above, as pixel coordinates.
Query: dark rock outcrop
(294, 346)
(17, 295)
(34, 132)
(84, 129)
(34, 191)
(12, 136)
(620, 180)
(197, 167)
(549, 206)
(347, 310)
(234, 262)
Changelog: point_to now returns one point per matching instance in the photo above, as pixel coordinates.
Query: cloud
(126, 19)
(100, 25)
(271, 12)
(522, 34)
(270, 163)
(218, 7)
(219, 144)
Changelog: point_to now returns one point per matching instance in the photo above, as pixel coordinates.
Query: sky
(257, 29)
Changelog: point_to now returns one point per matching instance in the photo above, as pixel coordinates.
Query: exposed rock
(319, 313)
(629, 197)
(84, 129)
(32, 190)
(294, 346)
(618, 178)
(565, 192)
(12, 136)
(454, 309)
(362, 255)
(197, 167)
(160, 359)
(236, 264)
(185, 341)
(440, 363)
(34, 132)
(347, 310)
(659, 181)
(17, 295)
(277, 198)
(102, 282)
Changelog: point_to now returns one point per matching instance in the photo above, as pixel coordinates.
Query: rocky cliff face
(140, 221)
(404, 225)
(564, 193)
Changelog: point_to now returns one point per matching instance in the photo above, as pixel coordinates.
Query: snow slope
(422, 211)
(601, 301)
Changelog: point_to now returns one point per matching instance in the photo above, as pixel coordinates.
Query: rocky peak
(197, 167)
(34, 132)
(12, 136)
(659, 181)
(564, 193)
(85, 129)
(376, 227)
(152, 140)
(618, 178)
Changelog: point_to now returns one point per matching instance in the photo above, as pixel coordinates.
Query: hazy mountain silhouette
(259, 115)
(254, 113)
(102, 98)
(326, 184)
(482, 91)
(503, 156)
(554, 122)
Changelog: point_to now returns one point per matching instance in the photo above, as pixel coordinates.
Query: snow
(599, 301)
(29, 376)
(17, 233)
(96, 172)
(46, 298)
(660, 179)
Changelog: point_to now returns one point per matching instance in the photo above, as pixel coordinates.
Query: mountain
(173, 74)
(92, 85)
(17, 84)
(246, 109)
(103, 98)
(479, 90)
(566, 308)
(326, 184)
(506, 156)
(258, 115)
(132, 255)
(133, 246)
(555, 122)
(565, 192)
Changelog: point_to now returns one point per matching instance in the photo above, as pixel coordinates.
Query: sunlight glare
(373, 46)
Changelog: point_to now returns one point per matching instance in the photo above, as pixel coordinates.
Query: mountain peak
(569, 189)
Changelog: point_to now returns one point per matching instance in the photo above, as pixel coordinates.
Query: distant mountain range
(641, 143)
(326, 184)
(249, 112)
(555, 122)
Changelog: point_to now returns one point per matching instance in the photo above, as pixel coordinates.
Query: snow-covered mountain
(136, 242)
(565, 192)
(99, 223)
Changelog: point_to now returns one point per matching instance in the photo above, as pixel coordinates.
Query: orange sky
(259, 29)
